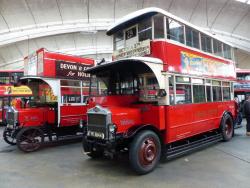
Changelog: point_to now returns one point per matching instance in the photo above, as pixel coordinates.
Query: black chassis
(110, 147)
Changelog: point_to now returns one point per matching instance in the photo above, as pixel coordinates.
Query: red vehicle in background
(242, 85)
(58, 108)
(174, 97)
(9, 92)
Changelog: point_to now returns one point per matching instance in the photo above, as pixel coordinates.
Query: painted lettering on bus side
(67, 66)
(206, 113)
(71, 70)
(70, 74)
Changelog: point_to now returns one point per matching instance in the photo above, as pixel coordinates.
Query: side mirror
(162, 93)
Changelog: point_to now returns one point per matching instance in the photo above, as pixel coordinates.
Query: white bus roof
(136, 16)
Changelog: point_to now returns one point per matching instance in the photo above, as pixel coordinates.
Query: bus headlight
(81, 124)
(112, 128)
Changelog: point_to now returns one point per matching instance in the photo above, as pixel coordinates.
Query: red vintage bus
(168, 91)
(58, 108)
(9, 92)
(242, 85)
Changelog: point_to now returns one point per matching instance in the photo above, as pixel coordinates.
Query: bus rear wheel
(227, 127)
(145, 152)
(8, 137)
(30, 139)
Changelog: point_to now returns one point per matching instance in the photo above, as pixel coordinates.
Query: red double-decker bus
(242, 85)
(9, 92)
(58, 107)
(168, 91)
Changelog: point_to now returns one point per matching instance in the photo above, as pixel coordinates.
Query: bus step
(193, 144)
(69, 138)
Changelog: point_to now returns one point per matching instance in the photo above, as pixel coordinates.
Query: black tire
(145, 152)
(8, 137)
(94, 153)
(30, 139)
(227, 127)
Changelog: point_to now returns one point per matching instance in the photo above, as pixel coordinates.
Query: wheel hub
(30, 140)
(228, 129)
(148, 151)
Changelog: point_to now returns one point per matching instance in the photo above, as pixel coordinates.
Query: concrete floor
(220, 165)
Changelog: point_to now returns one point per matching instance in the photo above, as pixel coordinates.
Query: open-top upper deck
(44, 63)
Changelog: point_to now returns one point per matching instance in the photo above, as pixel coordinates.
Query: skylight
(244, 1)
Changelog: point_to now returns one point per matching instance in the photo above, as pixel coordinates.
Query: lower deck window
(185, 89)
(199, 93)
(209, 96)
(71, 95)
(226, 93)
(217, 93)
(73, 91)
(183, 94)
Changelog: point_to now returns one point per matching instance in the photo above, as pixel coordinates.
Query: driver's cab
(42, 94)
(127, 79)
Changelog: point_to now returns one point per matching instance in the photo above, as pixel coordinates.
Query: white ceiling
(78, 26)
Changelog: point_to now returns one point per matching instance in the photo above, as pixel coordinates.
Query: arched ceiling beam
(224, 5)
(30, 11)
(41, 31)
(7, 25)
(240, 20)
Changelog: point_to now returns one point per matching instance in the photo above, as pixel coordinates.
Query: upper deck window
(118, 40)
(206, 43)
(158, 26)
(243, 76)
(145, 29)
(192, 37)
(175, 31)
(4, 78)
(130, 33)
(227, 51)
(217, 46)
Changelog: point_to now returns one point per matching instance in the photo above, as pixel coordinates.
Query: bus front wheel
(145, 152)
(227, 127)
(30, 139)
